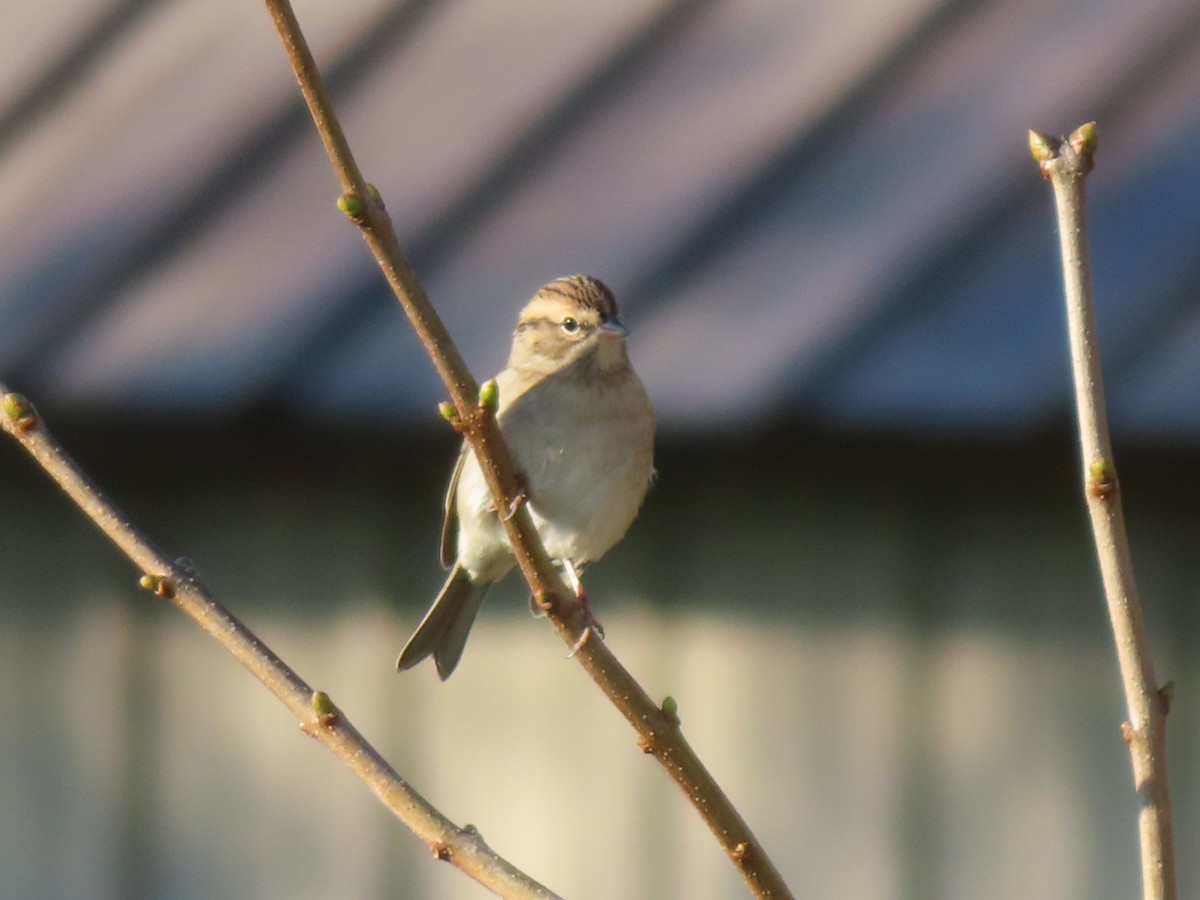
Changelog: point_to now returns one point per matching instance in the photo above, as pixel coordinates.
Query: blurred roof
(807, 209)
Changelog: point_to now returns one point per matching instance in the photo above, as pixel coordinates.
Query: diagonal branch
(173, 580)
(658, 729)
(1065, 164)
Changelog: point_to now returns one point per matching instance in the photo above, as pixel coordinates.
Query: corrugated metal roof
(807, 209)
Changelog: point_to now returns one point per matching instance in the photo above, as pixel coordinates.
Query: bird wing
(512, 384)
(449, 550)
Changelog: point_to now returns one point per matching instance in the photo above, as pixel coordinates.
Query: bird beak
(612, 327)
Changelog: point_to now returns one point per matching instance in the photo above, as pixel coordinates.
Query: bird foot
(519, 499)
(591, 625)
(581, 640)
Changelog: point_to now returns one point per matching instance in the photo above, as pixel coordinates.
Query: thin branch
(658, 730)
(319, 717)
(1065, 164)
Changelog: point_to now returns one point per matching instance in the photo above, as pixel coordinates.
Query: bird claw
(593, 624)
(592, 627)
(580, 641)
(519, 499)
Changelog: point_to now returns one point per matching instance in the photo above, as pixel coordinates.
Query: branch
(319, 717)
(658, 728)
(1065, 164)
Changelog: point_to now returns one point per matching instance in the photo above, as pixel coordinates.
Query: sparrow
(579, 426)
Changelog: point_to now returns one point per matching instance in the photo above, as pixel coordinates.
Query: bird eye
(569, 325)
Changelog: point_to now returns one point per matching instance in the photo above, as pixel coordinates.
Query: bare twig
(319, 717)
(1065, 164)
(658, 730)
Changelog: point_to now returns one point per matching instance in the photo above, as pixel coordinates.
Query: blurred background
(865, 571)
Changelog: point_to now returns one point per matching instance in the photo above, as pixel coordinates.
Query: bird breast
(585, 448)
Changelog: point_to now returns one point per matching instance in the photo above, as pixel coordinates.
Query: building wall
(893, 657)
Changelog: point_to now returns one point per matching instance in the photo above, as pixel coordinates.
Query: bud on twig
(18, 408)
(489, 396)
(353, 206)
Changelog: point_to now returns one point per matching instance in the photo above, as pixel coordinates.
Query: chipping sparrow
(578, 424)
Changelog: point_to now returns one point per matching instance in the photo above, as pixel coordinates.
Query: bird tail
(443, 632)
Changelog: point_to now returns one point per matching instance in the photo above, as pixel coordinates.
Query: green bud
(327, 713)
(1102, 478)
(670, 709)
(351, 205)
(1042, 147)
(447, 411)
(159, 585)
(18, 408)
(489, 395)
(374, 194)
(15, 405)
(1085, 139)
